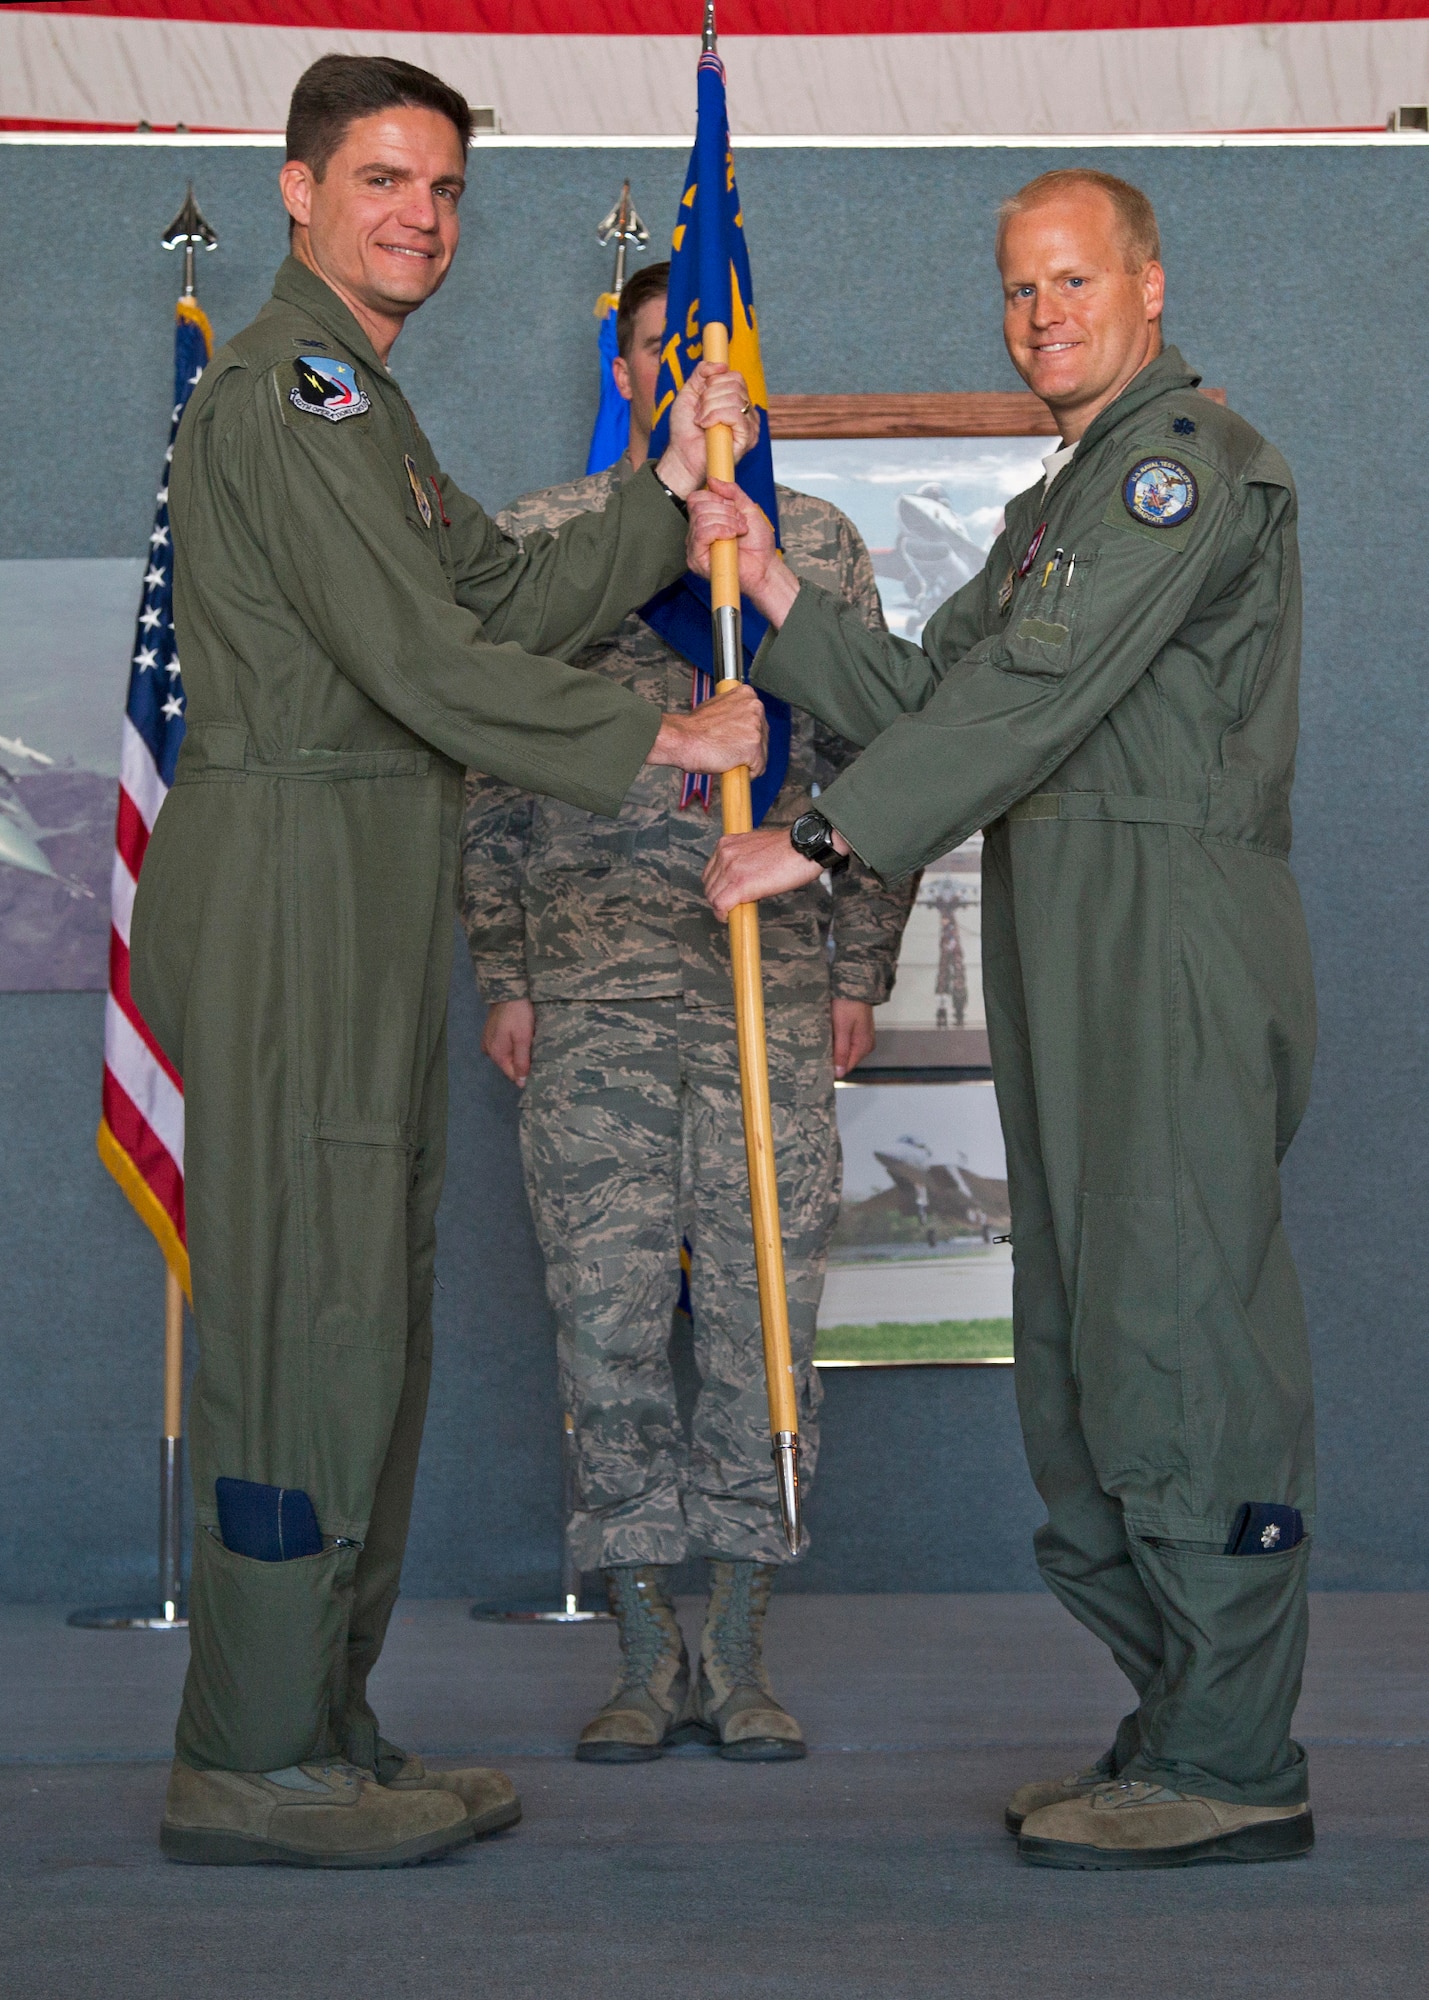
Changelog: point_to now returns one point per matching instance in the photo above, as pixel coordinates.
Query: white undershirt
(1054, 462)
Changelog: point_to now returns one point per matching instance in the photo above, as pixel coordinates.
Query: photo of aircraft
(940, 1195)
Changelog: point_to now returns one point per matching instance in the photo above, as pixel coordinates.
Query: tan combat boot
(489, 1797)
(643, 1714)
(733, 1700)
(1053, 1791)
(308, 1816)
(1131, 1823)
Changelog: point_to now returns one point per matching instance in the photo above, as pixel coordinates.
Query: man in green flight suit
(354, 632)
(1114, 700)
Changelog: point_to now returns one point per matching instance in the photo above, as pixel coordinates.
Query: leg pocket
(357, 1240)
(1126, 1353)
(267, 1663)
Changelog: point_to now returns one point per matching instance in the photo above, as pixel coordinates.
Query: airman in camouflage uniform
(632, 1135)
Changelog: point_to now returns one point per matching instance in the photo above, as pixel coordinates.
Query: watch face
(810, 834)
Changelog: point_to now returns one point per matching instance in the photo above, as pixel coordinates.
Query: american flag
(141, 1130)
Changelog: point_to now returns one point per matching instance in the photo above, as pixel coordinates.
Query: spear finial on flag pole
(626, 231)
(188, 228)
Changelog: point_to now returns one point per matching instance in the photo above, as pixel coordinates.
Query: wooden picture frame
(930, 414)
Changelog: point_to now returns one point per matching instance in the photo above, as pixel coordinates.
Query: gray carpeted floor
(876, 1868)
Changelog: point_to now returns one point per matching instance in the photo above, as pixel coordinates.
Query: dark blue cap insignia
(1265, 1528)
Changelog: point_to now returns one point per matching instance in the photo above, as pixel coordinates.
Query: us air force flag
(611, 433)
(709, 281)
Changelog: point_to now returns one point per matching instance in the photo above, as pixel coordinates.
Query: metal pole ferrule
(728, 643)
(786, 1464)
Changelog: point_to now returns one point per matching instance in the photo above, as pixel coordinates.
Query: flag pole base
(170, 1613)
(786, 1463)
(132, 1618)
(567, 1612)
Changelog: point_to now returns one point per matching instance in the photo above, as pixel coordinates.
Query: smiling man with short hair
(1114, 699)
(355, 631)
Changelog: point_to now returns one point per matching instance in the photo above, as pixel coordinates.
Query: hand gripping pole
(749, 1014)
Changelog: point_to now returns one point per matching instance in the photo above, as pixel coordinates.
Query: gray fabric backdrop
(1296, 279)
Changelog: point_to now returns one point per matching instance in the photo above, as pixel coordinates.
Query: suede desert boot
(647, 1703)
(1133, 1824)
(733, 1700)
(1053, 1791)
(489, 1797)
(308, 1816)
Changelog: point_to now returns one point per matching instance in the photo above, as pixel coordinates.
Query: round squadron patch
(327, 389)
(1161, 492)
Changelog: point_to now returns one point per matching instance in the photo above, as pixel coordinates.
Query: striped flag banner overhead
(811, 68)
(141, 1130)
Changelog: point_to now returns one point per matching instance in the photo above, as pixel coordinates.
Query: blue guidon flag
(611, 432)
(141, 1126)
(710, 281)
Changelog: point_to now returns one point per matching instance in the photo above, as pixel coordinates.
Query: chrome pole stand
(170, 1613)
(567, 1609)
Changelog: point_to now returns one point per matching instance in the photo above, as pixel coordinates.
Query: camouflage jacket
(561, 904)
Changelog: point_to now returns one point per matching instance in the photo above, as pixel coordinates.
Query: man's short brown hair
(1136, 218)
(651, 282)
(336, 90)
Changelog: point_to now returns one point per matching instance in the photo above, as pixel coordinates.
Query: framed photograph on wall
(920, 1269)
(925, 479)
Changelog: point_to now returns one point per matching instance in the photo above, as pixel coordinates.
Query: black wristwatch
(813, 837)
(671, 495)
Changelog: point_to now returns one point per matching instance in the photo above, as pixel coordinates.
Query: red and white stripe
(812, 68)
(143, 1099)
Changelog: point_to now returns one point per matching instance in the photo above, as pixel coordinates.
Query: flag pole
(188, 231)
(749, 988)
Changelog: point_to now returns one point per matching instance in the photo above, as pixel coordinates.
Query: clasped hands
(748, 866)
(722, 734)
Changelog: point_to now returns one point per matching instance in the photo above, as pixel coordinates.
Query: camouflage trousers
(632, 1136)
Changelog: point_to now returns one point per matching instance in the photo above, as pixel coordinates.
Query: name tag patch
(327, 389)
(1161, 492)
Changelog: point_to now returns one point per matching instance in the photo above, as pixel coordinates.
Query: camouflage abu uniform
(630, 1123)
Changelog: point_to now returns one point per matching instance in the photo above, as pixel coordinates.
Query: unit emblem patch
(327, 389)
(424, 505)
(1161, 492)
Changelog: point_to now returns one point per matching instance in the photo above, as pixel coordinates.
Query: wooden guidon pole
(749, 1013)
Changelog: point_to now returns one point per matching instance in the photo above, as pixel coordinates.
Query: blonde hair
(1136, 218)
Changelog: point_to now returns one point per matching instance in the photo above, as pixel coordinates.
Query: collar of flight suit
(296, 285)
(1158, 378)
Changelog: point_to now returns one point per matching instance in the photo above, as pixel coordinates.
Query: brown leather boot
(1055, 1791)
(733, 1699)
(1131, 1823)
(489, 1797)
(308, 1816)
(642, 1717)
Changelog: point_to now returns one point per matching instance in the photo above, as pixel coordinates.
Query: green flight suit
(1124, 726)
(354, 632)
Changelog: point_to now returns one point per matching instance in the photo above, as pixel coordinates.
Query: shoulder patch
(1184, 426)
(327, 388)
(1160, 492)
